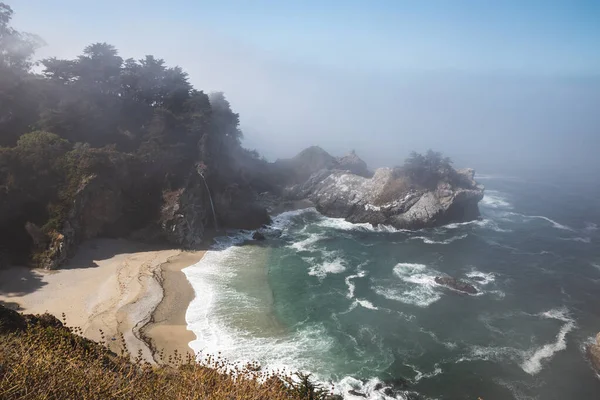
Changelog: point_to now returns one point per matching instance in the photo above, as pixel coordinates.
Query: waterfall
(212, 206)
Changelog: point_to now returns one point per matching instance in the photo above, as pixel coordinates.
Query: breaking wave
(495, 200)
(417, 285)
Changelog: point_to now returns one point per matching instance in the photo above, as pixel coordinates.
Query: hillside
(105, 146)
(40, 358)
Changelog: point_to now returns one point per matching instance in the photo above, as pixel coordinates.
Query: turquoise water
(359, 308)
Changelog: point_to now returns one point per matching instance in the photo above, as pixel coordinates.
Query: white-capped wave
(241, 326)
(306, 244)
(496, 200)
(334, 266)
(343, 225)
(482, 278)
(283, 220)
(533, 363)
(417, 286)
(447, 241)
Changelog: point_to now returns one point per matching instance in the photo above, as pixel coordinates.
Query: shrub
(50, 361)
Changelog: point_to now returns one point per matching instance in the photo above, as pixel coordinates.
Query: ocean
(359, 309)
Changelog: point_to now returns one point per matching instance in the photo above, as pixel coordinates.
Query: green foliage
(138, 123)
(429, 169)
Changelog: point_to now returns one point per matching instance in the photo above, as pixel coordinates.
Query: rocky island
(427, 191)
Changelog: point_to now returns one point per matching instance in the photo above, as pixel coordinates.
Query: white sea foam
(351, 285)
(551, 221)
(424, 375)
(533, 362)
(590, 227)
(596, 265)
(477, 222)
(366, 304)
(496, 200)
(497, 354)
(481, 223)
(306, 244)
(373, 389)
(447, 241)
(578, 239)
(482, 278)
(418, 285)
(283, 220)
(334, 266)
(343, 225)
(241, 326)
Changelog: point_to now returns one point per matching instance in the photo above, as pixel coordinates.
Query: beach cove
(112, 288)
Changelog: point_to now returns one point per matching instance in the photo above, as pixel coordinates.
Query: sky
(504, 85)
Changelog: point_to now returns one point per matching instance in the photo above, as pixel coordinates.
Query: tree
(16, 48)
(428, 169)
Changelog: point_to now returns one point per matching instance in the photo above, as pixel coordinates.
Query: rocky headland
(401, 197)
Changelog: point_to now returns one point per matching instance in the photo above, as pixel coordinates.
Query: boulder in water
(456, 284)
(357, 393)
(258, 236)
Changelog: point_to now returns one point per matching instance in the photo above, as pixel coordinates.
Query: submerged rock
(356, 393)
(593, 352)
(456, 284)
(258, 236)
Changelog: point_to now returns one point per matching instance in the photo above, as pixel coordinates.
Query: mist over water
(358, 306)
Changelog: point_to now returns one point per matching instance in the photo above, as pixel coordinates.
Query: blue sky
(480, 80)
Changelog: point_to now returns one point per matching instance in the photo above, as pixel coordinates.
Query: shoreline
(166, 332)
(113, 288)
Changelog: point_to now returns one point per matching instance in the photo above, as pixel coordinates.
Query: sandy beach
(114, 286)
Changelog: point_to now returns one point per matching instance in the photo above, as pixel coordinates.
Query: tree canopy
(102, 113)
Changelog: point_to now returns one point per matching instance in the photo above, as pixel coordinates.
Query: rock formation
(456, 284)
(353, 164)
(593, 352)
(390, 198)
(11, 321)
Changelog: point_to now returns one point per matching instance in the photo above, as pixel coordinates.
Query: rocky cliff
(391, 197)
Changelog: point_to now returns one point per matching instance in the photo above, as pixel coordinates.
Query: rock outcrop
(456, 284)
(306, 163)
(388, 199)
(96, 208)
(11, 321)
(353, 164)
(593, 352)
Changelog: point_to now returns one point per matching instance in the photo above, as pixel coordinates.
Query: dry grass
(49, 361)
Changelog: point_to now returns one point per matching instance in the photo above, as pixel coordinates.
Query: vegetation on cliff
(40, 358)
(99, 145)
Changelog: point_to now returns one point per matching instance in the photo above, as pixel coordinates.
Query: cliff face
(389, 199)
